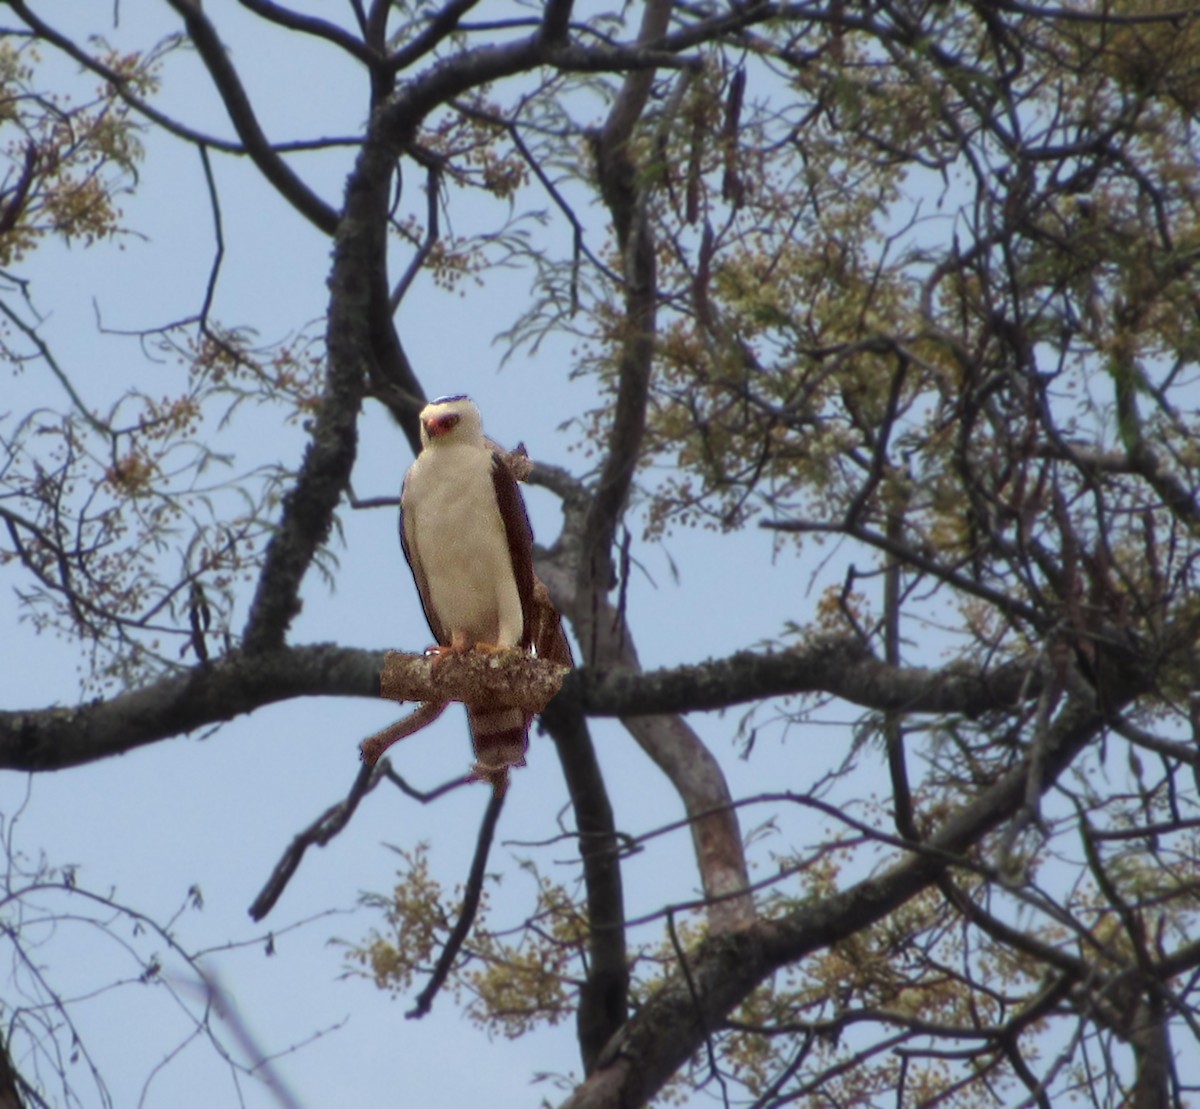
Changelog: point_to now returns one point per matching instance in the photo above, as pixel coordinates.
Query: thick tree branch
(624, 187)
(507, 679)
(56, 738)
(603, 997)
(311, 25)
(358, 292)
(838, 666)
(556, 21)
(689, 765)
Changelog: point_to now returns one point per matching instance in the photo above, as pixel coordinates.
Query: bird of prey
(467, 538)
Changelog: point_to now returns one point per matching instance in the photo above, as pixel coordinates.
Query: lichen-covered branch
(505, 679)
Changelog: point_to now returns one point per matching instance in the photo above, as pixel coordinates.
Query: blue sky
(217, 811)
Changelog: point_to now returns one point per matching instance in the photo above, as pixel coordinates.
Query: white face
(455, 419)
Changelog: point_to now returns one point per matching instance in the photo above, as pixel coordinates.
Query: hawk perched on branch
(467, 538)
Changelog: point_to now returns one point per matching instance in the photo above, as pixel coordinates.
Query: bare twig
(373, 747)
(318, 833)
(470, 906)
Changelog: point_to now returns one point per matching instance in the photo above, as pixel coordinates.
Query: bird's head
(451, 420)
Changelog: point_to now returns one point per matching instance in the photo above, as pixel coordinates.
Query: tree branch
(357, 292)
(318, 834)
(603, 997)
(120, 82)
(241, 115)
(443, 24)
(724, 969)
(625, 187)
(372, 748)
(839, 666)
(470, 906)
(55, 738)
(331, 823)
(239, 682)
(311, 25)
(509, 679)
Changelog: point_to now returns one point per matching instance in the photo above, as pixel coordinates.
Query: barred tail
(500, 737)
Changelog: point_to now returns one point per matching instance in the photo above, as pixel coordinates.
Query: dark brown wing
(409, 546)
(550, 641)
(520, 542)
(542, 632)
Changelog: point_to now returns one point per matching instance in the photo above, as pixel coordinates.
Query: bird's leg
(458, 645)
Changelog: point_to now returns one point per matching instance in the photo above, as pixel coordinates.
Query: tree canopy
(896, 301)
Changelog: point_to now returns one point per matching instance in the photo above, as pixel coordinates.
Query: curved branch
(311, 25)
(438, 28)
(372, 749)
(667, 739)
(241, 115)
(724, 969)
(332, 822)
(319, 833)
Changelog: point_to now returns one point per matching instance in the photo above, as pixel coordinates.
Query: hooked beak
(437, 426)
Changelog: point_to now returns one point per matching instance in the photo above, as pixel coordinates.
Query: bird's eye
(440, 425)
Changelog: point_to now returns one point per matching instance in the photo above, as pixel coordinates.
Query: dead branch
(373, 747)
(320, 832)
(504, 679)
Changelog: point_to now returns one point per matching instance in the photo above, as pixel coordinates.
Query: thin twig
(713, 1066)
(466, 918)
